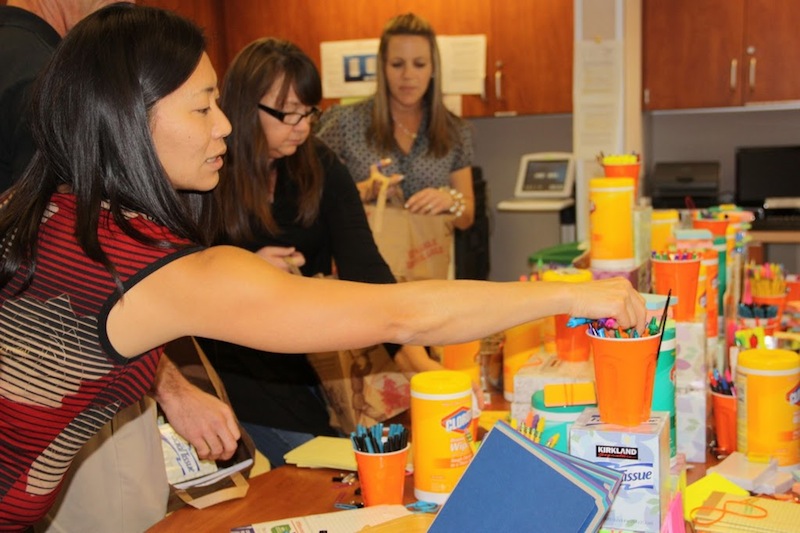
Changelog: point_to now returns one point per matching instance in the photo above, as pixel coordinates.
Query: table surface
(283, 492)
(289, 491)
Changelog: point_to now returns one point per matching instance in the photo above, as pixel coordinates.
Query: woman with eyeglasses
(285, 196)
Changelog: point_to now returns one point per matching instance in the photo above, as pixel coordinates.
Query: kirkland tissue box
(691, 413)
(642, 454)
(545, 369)
(690, 355)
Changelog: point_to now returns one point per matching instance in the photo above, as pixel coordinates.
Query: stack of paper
(728, 513)
(514, 484)
(745, 473)
(324, 452)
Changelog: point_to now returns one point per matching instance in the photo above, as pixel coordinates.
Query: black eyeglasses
(291, 119)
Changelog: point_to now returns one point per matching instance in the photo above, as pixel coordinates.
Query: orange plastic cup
(717, 226)
(724, 407)
(624, 371)
(680, 276)
(572, 344)
(778, 300)
(624, 171)
(464, 357)
(382, 476)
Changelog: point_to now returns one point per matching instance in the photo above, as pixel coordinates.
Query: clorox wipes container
(441, 412)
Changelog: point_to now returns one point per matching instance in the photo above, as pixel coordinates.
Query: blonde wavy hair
(443, 126)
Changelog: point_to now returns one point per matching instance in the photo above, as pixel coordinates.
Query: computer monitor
(545, 175)
(766, 172)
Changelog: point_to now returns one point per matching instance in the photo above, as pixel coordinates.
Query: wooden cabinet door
(692, 53)
(207, 15)
(530, 57)
(771, 68)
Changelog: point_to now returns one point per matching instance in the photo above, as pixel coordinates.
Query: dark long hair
(241, 198)
(90, 118)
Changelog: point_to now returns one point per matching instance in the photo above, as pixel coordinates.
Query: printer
(684, 184)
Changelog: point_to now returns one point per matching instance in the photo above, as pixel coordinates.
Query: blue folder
(514, 484)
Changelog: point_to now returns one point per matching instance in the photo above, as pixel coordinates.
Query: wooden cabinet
(720, 53)
(529, 43)
(529, 63)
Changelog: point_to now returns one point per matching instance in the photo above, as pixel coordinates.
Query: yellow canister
(611, 223)
(768, 405)
(441, 413)
(662, 222)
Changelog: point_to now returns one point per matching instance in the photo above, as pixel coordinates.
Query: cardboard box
(546, 368)
(691, 369)
(642, 453)
(691, 414)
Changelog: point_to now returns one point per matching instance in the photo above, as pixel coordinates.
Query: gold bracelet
(459, 204)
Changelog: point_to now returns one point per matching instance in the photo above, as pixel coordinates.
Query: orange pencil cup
(724, 407)
(624, 375)
(572, 344)
(382, 476)
(624, 171)
(681, 277)
(778, 300)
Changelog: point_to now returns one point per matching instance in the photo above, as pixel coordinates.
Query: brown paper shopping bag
(187, 355)
(362, 386)
(415, 246)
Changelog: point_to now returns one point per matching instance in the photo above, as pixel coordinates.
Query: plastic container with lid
(441, 416)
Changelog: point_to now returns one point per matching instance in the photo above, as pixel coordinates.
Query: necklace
(399, 124)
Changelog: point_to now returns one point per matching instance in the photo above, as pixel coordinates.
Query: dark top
(275, 390)
(26, 44)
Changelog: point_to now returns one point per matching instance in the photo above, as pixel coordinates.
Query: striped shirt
(60, 378)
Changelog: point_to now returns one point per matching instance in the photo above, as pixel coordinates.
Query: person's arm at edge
(204, 420)
(232, 295)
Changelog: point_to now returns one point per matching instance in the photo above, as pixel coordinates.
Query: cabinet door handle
(734, 68)
(752, 73)
(498, 80)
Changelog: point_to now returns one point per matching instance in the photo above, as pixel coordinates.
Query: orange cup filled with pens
(625, 369)
(622, 166)
(678, 273)
(381, 458)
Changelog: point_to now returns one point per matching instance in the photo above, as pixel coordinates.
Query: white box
(545, 369)
(691, 416)
(642, 453)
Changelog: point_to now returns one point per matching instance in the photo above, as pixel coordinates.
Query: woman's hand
(613, 297)
(430, 201)
(286, 258)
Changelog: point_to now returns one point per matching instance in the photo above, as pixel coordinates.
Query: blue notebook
(514, 484)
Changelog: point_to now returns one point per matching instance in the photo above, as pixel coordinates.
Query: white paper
(334, 522)
(463, 63)
(348, 68)
(598, 69)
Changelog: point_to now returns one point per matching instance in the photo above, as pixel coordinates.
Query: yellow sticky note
(699, 491)
(566, 394)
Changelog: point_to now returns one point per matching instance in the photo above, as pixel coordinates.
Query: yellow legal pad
(567, 394)
(728, 513)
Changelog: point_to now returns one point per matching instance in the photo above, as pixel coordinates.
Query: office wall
(668, 137)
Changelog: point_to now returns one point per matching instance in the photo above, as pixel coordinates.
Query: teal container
(664, 382)
(557, 420)
(720, 246)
